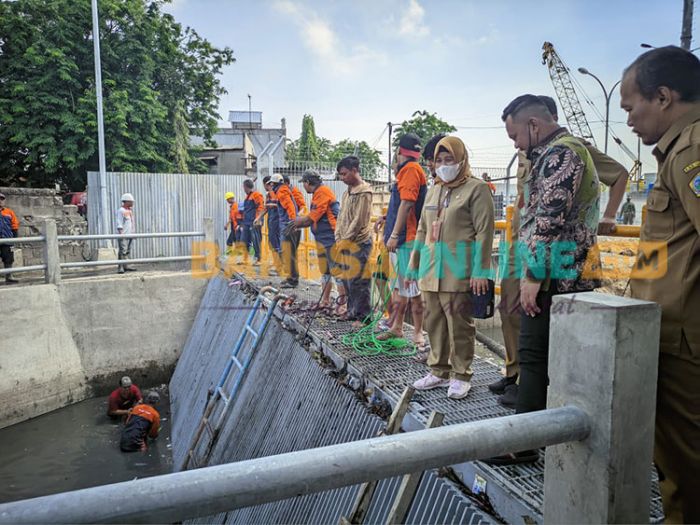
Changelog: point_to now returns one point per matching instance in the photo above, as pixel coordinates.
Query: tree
(160, 85)
(425, 125)
(370, 160)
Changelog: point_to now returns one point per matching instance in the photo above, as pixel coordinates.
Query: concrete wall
(62, 344)
(32, 207)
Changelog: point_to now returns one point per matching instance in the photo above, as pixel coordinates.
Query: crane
(559, 73)
(575, 117)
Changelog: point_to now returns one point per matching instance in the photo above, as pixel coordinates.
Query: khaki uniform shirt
(467, 217)
(673, 217)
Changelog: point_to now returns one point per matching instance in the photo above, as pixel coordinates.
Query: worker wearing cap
(660, 92)
(143, 422)
(298, 196)
(322, 220)
(400, 225)
(125, 226)
(232, 222)
(9, 228)
(287, 211)
(124, 398)
(253, 208)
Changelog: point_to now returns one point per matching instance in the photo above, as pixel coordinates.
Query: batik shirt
(560, 213)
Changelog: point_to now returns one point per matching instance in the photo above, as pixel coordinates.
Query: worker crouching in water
(458, 217)
(143, 422)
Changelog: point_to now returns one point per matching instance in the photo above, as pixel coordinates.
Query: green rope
(365, 341)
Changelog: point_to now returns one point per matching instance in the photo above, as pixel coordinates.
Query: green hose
(365, 341)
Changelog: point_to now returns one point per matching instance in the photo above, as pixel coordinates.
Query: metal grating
(286, 403)
(393, 374)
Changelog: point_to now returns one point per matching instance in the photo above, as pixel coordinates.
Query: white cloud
(412, 23)
(320, 39)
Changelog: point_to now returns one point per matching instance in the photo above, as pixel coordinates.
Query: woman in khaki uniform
(452, 254)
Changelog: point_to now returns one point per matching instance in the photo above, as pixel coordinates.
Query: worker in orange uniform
(322, 219)
(287, 211)
(485, 177)
(296, 193)
(232, 222)
(253, 208)
(9, 227)
(143, 422)
(400, 225)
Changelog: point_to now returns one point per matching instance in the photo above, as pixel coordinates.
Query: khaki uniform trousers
(509, 310)
(451, 332)
(677, 435)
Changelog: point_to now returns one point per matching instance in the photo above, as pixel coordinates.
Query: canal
(76, 447)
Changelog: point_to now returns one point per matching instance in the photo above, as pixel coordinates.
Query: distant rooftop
(245, 119)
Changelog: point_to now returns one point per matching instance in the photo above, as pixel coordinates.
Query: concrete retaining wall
(62, 344)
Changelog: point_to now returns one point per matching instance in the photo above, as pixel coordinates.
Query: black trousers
(533, 353)
(290, 245)
(6, 255)
(357, 286)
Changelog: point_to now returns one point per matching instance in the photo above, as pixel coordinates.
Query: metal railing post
(52, 257)
(603, 355)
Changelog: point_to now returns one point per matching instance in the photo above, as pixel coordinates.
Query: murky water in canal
(76, 447)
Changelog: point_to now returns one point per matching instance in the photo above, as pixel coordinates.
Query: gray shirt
(125, 220)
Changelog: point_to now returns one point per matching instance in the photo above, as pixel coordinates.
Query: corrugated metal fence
(171, 202)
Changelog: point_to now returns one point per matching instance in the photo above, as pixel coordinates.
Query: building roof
(245, 117)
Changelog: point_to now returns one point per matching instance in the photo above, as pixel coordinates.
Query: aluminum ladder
(224, 393)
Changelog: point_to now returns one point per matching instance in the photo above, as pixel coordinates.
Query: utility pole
(687, 30)
(389, 164)
(104, 204)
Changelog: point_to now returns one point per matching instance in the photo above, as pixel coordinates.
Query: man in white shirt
(125, 225)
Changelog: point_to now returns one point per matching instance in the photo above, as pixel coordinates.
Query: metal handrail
(208, 491)
(20, 269)
(81, 264)
(13, 240)
(101, 236)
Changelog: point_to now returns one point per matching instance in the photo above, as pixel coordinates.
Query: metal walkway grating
(393, 374)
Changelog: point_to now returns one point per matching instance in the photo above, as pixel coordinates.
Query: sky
(355, 65)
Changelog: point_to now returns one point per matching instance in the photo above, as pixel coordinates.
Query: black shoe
(289, 284)
(131, 269)
(514, 458)
(10, 280)
(499, 386)
(509, 397)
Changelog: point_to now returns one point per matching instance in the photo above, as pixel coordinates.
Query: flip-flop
(422, 352)
(513, 458)
(386, 336)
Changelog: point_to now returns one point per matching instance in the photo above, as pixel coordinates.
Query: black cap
(429, 150)
(410, 142)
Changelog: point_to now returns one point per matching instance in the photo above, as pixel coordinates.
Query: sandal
(514, 458)
(385, 336)
(422, 352)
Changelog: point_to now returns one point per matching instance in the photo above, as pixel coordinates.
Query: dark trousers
(533, 352)
(6, 255)
(124, 250)
(250, 235)
(290, 245)
(357, 287)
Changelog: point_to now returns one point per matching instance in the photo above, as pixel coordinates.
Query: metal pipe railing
(20, 269)
(13, 240)
(208, 491)
(81, 264)
(101, 236)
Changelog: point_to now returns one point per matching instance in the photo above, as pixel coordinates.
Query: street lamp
(649, 46)
(607, 94)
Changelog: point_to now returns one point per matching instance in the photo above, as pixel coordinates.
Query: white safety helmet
(276, 178)
(127, 197)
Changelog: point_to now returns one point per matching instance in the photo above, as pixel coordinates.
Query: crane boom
(559, 73)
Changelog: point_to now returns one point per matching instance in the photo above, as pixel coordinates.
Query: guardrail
(598, 430)
(52, 263)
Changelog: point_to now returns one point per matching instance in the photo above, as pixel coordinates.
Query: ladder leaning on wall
(224, 393)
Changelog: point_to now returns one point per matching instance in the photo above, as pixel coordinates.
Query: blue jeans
(251, 235)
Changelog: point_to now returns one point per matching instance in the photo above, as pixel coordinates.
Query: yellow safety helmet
(229, 195)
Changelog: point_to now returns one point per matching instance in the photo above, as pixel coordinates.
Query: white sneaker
(429, 382)
(458, 389)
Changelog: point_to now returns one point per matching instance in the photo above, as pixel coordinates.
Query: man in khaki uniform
(612, 174)
(661, 93)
